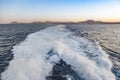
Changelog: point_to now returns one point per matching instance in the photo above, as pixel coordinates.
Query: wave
(33, 60)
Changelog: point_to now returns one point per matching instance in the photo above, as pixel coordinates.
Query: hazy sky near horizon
(59, 10)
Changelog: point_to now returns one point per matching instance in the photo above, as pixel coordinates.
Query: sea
(59, 51)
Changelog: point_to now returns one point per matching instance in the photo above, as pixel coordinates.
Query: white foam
(30, 63)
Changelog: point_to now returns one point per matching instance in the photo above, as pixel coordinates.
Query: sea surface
(60, 52)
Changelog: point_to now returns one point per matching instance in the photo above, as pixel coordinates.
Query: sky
(59, 10)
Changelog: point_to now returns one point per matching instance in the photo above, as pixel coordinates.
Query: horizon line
(18, 22)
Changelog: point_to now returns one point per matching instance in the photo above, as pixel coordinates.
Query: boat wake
(36, 56)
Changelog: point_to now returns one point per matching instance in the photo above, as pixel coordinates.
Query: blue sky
(59, 10)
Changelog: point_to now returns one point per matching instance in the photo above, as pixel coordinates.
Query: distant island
(91, 22)
(81, 22)
(97, 22)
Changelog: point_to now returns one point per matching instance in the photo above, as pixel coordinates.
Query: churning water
(56, 53)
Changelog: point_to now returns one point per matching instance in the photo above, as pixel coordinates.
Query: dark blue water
(107, 35)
